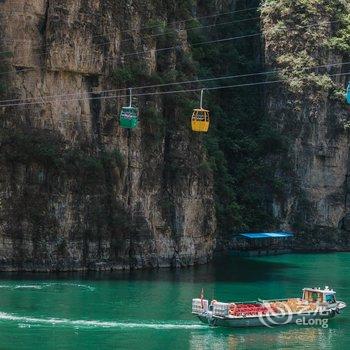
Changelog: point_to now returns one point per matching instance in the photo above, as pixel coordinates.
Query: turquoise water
(152, 310)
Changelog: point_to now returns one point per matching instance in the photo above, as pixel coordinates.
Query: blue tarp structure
(267, 235)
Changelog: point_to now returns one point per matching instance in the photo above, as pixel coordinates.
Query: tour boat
(314, 308)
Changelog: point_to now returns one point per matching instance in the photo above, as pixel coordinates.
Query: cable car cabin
(129, 117)
(348, 94)
(200, 120)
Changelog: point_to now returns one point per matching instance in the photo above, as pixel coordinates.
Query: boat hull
(267, 321)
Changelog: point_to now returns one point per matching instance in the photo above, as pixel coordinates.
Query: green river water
(152, 310)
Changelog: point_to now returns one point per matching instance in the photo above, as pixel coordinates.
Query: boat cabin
(319, 295)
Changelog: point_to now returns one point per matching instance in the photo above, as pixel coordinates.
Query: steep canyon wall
(78, 192)
(309, 110)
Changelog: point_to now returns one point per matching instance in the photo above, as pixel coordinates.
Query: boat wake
(46, 285)
(27, 322)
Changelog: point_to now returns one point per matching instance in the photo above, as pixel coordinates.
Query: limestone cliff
(309, 109)
(76, 190)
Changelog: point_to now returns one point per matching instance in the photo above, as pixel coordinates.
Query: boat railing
(271, 300)
(199, 305)
(245, 302)
(221, 309)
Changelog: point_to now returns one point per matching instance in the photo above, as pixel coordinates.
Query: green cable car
(129, 116)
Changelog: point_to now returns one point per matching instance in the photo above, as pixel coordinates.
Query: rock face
(77, 191)
(315, 201)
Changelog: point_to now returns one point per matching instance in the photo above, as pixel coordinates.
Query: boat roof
(201, 110)
(319, 290)
(261, 235)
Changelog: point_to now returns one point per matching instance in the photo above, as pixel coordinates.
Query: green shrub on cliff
(319, 25)
(341, 40)
(30, 145)
(135, 74)
(49, 150)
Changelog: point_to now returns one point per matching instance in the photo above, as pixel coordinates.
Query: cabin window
(314, 296)
(330, 298)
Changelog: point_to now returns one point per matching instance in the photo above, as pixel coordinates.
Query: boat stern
(199, 306)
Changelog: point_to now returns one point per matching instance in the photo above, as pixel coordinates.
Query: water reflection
(254, 338)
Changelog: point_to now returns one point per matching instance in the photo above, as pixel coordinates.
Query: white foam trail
(21, 286)
(76, 285)
(96, 324)
(36, 286)
(46, 285)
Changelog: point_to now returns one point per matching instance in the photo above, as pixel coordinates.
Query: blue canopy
(267, 235)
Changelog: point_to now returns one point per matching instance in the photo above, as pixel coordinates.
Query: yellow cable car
(200, 118)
